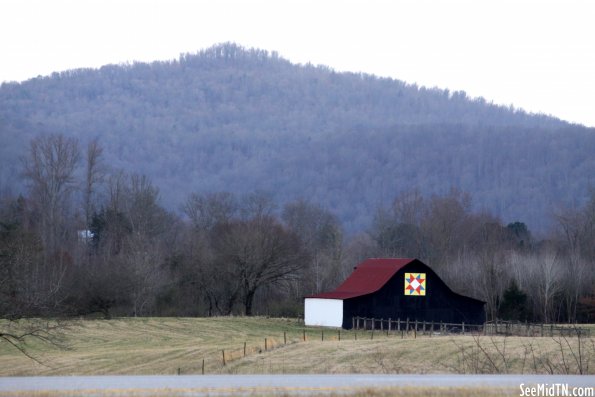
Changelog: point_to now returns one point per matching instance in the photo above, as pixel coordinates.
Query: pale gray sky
(536, 54)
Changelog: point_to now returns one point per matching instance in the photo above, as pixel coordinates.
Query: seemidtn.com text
(556, 390)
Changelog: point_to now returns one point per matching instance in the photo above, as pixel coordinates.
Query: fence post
(244, 349)
(552, 330)
(407, 325)
(416, 325)
(223, 354)
(203, 366)
(265, 344)
(339, 331)
(463, 327)
(322, 335)
(381, 325)
(352, 322)
(389, 320)
(284, 337)
(304, 331)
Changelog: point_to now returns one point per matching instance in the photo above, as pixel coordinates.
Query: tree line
(90, 239)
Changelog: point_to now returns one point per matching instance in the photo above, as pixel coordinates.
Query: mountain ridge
(236, 119)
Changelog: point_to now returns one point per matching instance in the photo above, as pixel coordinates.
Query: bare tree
(397, 229)
(576, 231)
(207, 210)
(446, 227)
(94, 175)
(145, 245)
(50, 171)
(133, 237)
(201, 276)
(145, 272)
(256, 252)
(492, 280)
(110, 225)
(21, 282)
(24, 290)
(258, 205)
(145, 215)
(546, 276)
(322, 238)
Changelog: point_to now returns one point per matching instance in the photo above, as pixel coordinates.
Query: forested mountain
(234, 182)
(239, 120)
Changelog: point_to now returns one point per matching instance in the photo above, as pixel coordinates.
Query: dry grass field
(179, 345)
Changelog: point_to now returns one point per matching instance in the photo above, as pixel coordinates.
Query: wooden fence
(498, 327)
(406, 328)
(407, 325)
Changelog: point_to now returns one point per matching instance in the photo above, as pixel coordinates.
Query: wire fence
(373, 328)
(511, 328)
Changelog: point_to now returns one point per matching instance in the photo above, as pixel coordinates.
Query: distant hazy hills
(231, 119)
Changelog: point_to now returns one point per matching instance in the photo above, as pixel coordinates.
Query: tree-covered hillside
(238, 120)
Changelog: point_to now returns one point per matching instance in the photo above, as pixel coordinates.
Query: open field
(179, 345)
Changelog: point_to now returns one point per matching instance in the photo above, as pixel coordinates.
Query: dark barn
(395, 289)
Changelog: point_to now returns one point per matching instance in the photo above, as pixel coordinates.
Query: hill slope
(237, 120)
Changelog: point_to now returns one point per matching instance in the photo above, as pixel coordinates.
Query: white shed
(323, 312)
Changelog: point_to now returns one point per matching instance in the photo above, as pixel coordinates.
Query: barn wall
(439, 303)
(323, 312)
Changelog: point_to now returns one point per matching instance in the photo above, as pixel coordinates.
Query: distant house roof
(368, 277)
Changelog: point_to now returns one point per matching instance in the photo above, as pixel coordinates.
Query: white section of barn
(323, 312)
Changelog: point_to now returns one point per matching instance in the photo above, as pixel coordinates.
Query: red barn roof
(368, 277)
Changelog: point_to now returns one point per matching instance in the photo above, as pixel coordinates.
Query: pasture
(257, 345)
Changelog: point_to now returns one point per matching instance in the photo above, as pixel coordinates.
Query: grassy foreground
(179, 345)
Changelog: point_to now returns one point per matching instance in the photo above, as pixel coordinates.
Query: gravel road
(304, 384)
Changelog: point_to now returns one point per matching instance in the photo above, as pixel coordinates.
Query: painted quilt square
(415, 284)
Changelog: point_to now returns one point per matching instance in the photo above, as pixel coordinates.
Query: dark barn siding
(439, 303)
